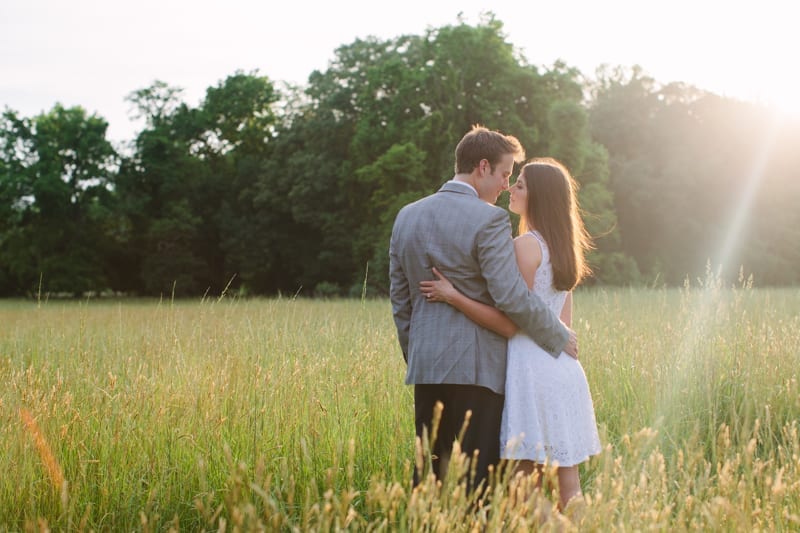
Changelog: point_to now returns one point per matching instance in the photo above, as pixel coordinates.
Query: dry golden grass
(291, 415)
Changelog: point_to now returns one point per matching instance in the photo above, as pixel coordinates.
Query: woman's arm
(442, 290)
(566, 311)
(529, 256)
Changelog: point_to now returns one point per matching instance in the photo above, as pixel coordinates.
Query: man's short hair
(481, 143)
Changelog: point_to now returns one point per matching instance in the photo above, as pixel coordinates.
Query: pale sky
(93, 53)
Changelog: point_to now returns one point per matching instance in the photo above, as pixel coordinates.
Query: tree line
(265, 188)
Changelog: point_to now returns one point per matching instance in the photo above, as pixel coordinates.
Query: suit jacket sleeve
(400, 296)
(509, 291)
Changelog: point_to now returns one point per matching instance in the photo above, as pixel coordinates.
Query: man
(451, 359)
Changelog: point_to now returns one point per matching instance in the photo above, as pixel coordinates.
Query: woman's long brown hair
(554, 212)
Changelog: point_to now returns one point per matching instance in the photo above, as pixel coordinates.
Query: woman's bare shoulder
(528, 250)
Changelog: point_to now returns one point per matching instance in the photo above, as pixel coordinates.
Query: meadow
(291, 414)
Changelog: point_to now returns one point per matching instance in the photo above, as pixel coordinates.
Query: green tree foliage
(398, 107)
(159, 186)
(56, 173)
(698, 179)
(185, 184)
(294, 190)
(570, 143)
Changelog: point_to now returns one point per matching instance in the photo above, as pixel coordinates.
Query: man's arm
(400, 296)
(508, 289)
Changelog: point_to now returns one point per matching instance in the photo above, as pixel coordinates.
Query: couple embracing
(484, 321)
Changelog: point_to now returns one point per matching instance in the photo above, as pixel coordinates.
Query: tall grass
(291, 414)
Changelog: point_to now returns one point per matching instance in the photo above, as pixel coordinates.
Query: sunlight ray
(703, 308)
(748, 193)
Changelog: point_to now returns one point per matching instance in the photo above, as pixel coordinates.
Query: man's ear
(483, 167)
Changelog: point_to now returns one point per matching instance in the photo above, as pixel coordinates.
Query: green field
(292, 414)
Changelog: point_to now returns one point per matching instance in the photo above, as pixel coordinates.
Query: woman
(548, 413)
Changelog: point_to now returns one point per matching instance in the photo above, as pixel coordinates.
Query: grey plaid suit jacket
(469, 241)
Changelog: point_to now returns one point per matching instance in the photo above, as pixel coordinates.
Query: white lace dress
(548, 412)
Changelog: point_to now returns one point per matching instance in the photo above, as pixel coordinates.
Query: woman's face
(518, 201)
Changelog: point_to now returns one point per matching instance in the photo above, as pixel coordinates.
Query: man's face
(491, 184)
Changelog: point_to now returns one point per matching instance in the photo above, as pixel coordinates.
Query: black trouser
(483, 432)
